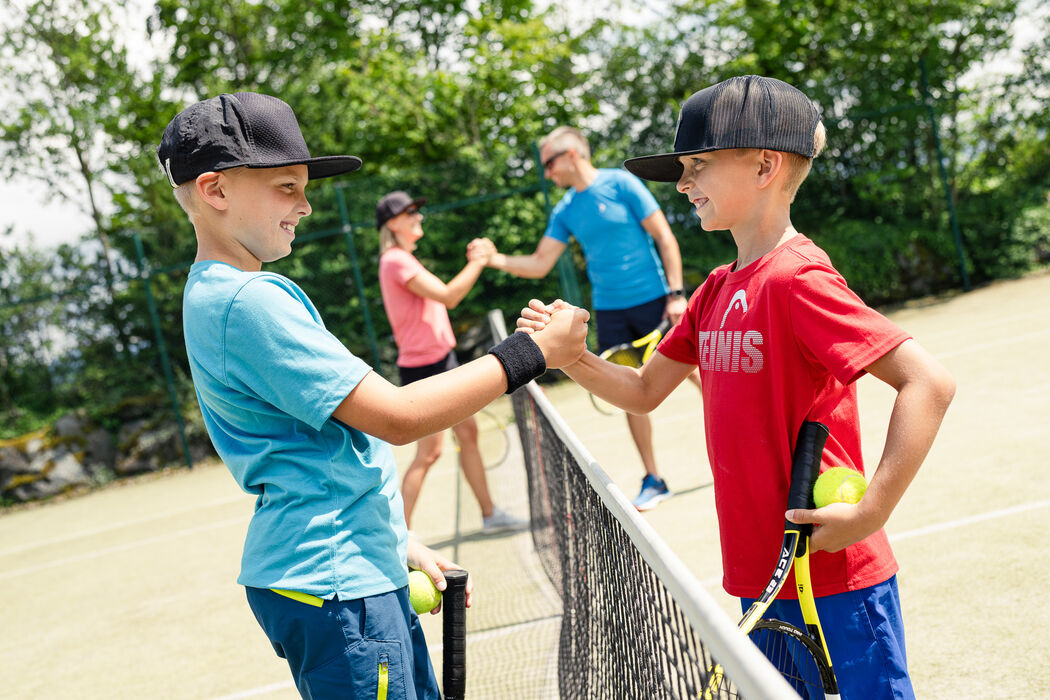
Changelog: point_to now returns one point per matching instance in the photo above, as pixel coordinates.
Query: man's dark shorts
(618, 326)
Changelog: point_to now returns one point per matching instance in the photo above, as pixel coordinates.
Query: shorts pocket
(369, 670)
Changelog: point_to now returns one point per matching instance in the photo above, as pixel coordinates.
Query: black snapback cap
(747, 111)
(240, 129)
(395, 203)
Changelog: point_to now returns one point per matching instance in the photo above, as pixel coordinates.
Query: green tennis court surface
(129, 592)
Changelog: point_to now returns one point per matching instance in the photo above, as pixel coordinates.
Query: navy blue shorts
(865, 635)
(349, 648)
(617, 326)
(414, 374)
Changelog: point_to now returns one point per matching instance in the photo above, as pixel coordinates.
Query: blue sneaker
(654, 490)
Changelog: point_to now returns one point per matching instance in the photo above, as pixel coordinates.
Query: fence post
(932, 114)
(570, 287)
(348, 234)
(144, 275)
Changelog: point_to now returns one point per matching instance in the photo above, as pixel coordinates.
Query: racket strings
(795, 660)
(627, 356)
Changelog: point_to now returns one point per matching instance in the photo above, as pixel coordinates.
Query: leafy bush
(885, 262)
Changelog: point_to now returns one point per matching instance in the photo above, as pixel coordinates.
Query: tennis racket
(493, 443)
(632, 354)
(801, 656)
(454, 634)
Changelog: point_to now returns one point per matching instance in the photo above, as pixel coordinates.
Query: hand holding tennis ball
(422, 592)
(839, 485)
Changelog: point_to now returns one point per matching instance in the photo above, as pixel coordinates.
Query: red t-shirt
(778, 343)
(421, 327)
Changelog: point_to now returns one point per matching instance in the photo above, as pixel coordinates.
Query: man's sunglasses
(547, 163)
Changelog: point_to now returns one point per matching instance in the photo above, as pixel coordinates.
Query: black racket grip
(805, 467)
(454, 633)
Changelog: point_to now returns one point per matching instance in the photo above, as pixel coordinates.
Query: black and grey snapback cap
(241, 129)
(747, 111)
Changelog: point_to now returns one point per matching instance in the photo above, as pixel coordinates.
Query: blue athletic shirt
(623, 263)
(329, 520)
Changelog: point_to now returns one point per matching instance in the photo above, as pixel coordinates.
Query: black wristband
(521, 358)
(676, 293)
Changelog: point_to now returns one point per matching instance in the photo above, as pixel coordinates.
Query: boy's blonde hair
(565, 137)
(798, 166)
(185, 195)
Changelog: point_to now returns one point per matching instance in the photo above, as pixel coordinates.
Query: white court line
(993, 344)
(969, 328)
(121, 548)
(939, 527)
(118, 526)
(961, 522)
(707, 583)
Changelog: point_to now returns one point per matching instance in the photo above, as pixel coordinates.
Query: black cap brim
(660, 167)
(322, 166)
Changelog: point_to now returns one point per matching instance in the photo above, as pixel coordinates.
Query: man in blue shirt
(633, 262)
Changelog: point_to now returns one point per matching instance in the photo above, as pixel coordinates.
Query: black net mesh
(623, 635)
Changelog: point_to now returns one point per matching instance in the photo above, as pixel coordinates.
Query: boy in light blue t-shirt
(300, 421)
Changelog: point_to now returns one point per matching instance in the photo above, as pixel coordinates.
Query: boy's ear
(770, 164)
(210, 188)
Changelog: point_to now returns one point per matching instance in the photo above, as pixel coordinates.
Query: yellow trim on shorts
(300, 597)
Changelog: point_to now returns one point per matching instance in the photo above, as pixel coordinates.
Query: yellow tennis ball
(422, 592)
(839, 485)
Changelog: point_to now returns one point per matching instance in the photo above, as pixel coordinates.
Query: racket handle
(454, 633)
(805, 467)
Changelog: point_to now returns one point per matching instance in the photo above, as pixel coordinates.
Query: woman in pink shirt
(417, 304)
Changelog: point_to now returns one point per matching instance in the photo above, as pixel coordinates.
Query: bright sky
(23, 204)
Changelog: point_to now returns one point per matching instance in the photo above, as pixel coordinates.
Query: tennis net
(635, 622)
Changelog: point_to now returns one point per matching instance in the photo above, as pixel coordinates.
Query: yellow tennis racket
(633, 354)
(801, 656)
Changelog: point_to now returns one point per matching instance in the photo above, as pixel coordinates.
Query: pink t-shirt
(778, 343)
(421, 327)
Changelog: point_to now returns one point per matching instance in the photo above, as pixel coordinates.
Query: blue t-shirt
(329, 520)
(623, 264)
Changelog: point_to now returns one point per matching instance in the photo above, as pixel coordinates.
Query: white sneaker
(501, 521)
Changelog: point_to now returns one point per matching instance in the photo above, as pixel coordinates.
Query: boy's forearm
(916, 417)
(619, 385)
(401, 415)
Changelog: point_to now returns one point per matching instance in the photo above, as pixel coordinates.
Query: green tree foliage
(860, 63)
(68, 79)
(445, 99)
(437, 99)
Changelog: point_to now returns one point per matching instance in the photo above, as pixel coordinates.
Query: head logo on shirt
(732, 350)
(739, 300)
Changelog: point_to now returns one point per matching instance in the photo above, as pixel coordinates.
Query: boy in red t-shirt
(780, 339)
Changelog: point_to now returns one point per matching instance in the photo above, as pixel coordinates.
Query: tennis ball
(839, 485)
(422, 592)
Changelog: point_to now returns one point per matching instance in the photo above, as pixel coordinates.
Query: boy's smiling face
(720, 185)
(265, 205)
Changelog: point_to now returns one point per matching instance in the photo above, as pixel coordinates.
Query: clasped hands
(559, 329)
(481, 250)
